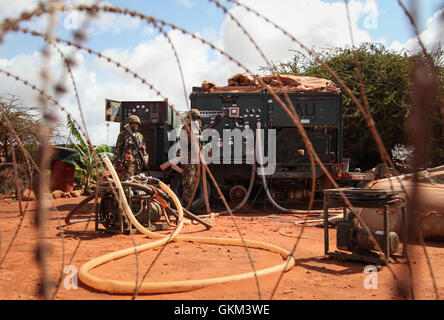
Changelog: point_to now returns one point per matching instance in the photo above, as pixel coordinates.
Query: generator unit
(235, 115)
(146, 208)
(320, 114)
(353, 240)
(153, 208)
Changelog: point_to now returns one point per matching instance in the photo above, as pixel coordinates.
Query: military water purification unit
(320, 114)
(237, 115)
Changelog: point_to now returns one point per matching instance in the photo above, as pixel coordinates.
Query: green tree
(387, 82)
(24, 120)
(86, 159)
(436, 143)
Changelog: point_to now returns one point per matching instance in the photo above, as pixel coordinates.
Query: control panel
(149, 112)
(234, 117)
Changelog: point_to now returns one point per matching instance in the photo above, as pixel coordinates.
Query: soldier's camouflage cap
(133, 118)
(195, 113)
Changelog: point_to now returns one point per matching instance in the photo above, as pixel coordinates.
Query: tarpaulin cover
(244, 82)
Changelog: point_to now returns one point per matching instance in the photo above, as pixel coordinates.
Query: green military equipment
(157, 121)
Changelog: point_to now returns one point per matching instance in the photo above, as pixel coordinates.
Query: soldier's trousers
(189, 178)
(127, 168)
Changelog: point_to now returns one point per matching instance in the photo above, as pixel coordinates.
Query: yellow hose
(129, 287)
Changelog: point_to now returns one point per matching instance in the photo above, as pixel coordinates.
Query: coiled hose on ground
(129, 287)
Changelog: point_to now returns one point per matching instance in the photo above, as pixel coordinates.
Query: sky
(143, 48)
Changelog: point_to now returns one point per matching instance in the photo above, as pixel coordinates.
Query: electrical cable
(255, 197)
(265, 185)
(264, 180)
(244, 200)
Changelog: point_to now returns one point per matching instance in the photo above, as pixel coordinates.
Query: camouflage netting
(244, 82)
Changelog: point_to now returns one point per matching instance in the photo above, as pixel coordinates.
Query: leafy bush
(387, 83)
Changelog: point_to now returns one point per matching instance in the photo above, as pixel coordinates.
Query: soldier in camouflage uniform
(190, 169)
(189, 175)
(127, 159)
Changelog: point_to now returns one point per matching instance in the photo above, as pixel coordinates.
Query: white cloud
(154, 60)
(371, 20)
(12, 9)
(21, 65)
(314, 22)
(104, 22)
(432, 36)
(148, 30)
(114, 23)
(186, 3)
(28, 67)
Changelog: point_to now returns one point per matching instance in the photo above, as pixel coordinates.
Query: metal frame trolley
(364, 198)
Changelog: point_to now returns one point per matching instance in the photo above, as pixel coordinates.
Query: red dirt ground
(312, 278)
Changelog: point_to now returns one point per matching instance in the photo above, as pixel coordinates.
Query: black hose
(77, 208)
(244, 200)
(150, 191)
(191, 216)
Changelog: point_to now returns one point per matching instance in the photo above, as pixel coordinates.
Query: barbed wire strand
(439, 93)
(62, 267)
(250, 38)
(47, 97)
(204, 41)
(20, 224)
(61, 90)
(368, 118)
(42, 249)
(12, 133)
(422, 134)
(367, 109)
(16, 177)
(19, 198)
(151, 87)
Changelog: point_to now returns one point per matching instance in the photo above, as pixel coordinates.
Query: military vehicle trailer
(320, 114)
